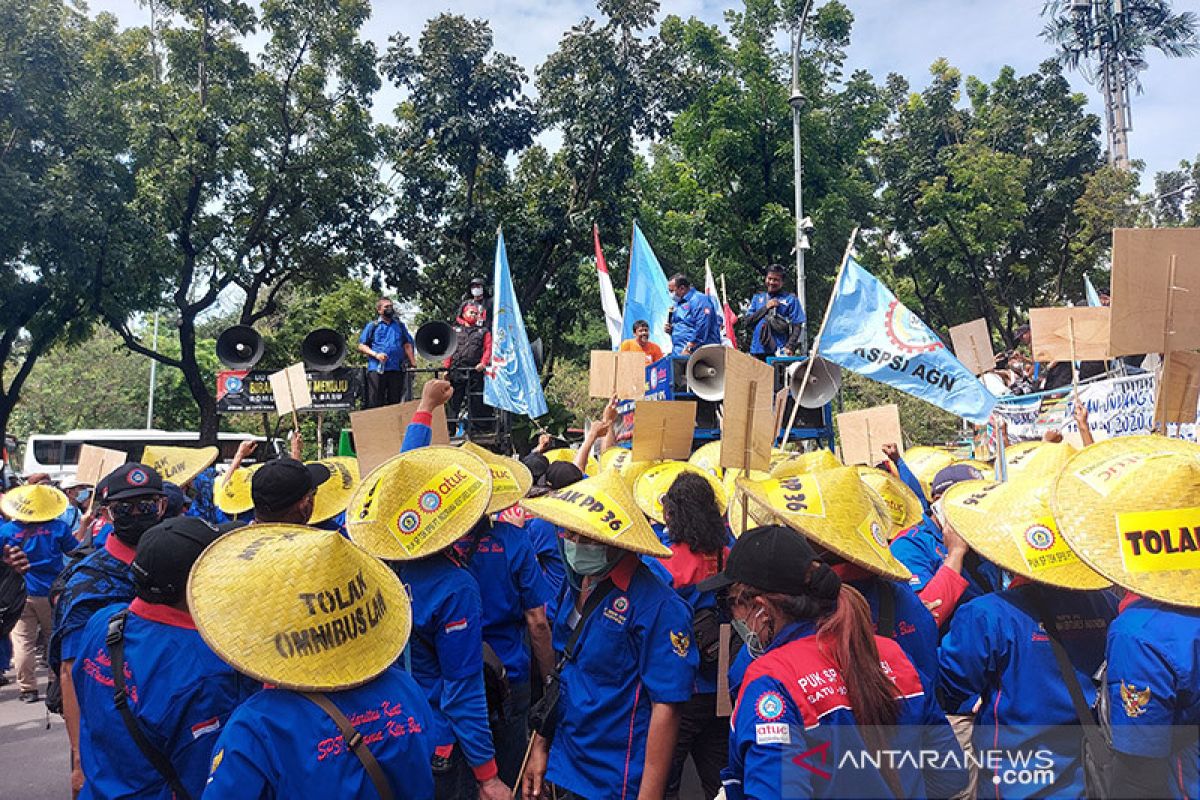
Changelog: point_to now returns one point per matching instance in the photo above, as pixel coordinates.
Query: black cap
(278, 485)
(771, 558)
(537, 465)
(948, 476)
(129, 480)
(165, 555)
(477, 282)
(562, 474)
(176, 499)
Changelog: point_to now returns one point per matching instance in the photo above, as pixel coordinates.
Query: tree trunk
(198, 383)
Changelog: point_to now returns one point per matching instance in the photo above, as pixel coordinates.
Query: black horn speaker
(436, 340)
(323, 350)
(239, 347)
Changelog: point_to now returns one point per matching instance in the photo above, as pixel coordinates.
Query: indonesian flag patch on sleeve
(206, 727)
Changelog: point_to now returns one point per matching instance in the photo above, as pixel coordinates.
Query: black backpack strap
(1091, 731)
(886, 626)
(599, 595)
(354, 741)
(115, 642)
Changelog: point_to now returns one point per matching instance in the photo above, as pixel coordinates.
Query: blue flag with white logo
(871, 332)
(511, 380)
(646, 295)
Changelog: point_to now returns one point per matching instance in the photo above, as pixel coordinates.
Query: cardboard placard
(622, 375)
(290, 387)
(864, 433)
(972, 343)
(748, 423)
(1141, 272)
(379, 432)
(1179, 389)
(663, 429)
(1051, 329)
(95, 463)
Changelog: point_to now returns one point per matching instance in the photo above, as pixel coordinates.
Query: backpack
(12, 598)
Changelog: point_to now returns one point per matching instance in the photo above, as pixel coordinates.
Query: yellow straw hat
(419, 502)
(334, 494)
(602, 509)
(1035, 456)
(652, 484)
(1130, 508)
(231, 492)
(511, 480)
(801, 463)
(33, 503)
(708, 458)
(834, 509)
(1010, 525)
(297, 607)
(179, 465)
(615, 458)
(903, 507)
(926, 462)
(568, 455)
(632, 470)
(984, 468)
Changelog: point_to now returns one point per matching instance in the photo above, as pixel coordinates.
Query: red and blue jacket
(635, 650)
(682, 570)
(695, 321)
(922, 549)
(280, 744)
(1153, 685)
(795, 734)
(997, 650)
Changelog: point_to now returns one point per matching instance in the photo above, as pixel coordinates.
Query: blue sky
(903, 36)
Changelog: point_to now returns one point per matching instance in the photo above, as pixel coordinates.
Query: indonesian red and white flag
(608, 298)
(728, 337)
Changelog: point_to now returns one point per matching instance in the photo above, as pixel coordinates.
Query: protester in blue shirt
(37, 529)
(179, 693)
(388, 345)
(775, 318)
(821, 686)
(131, 498)
(695, 320)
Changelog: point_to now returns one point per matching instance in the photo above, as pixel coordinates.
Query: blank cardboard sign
(290, 387)
(864, 433)
(973, 345)
(1141, 271)
(1052, 327)
(1179, 388)
(663, 429)
(95, 463)
(379, 432)
(748, 427)
(622, 375)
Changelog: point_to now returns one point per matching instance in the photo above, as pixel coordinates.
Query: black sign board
(242, 391)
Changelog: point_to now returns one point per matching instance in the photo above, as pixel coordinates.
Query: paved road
(35, 758)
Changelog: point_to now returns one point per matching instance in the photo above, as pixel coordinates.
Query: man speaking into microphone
(388, 347)
(694, 320)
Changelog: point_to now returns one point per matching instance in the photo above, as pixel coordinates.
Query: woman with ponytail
(827, 708)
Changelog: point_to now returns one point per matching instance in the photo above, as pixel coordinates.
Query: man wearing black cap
(177, 693)
(283, 490)
(131, 498)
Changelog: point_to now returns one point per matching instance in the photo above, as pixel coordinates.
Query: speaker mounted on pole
(240, 347)
(323, 350)
(436, 340)
(706, 373)
(824, 380)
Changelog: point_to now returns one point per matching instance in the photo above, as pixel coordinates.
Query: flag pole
(812, 354)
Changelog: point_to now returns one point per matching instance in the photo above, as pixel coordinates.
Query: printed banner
(241, 391)
(1121, 406)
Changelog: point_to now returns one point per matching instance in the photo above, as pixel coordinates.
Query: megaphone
(706, 373)
(436, 340)
(323, 350)
(240, 347)
(824, 380)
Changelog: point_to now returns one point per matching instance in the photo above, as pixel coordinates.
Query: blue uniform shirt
(922, 549)
(788, 309)
(1153, 685)
(915, 629)
(179, 690)
(543, 536)
(793, 728)
(996, 648)
(695, 321)
(510, 583)
(388, 338)
(280, 744)
(44, 544)
(97, 581)
(635, 650)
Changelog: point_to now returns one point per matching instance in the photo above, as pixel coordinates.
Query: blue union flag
(511, 381)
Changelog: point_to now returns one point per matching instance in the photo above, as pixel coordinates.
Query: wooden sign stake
(1160, 413)
(746, 451)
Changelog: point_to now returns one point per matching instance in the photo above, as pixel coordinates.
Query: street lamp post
(797, 101)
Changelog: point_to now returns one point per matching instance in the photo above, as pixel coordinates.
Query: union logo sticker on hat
(33, 503)
(926, 462)
(903, 507)
(419, 502)
(602, 509)
(708, 458)
(511, 480)
(1010, 525)
(179, 465)
(803, 463)
(1130, 508)
(297, 607)
(231, 492)
(834, 509)
(653, 484)
(333, 496)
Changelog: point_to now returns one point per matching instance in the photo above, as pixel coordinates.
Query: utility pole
(153, 375)
(796, 101)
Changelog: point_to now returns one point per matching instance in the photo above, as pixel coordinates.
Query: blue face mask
(586, 558)
(82, 496)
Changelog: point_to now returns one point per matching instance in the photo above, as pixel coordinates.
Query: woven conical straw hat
(653, 484)
(511, 480)
(179, 465)
(603, 509)
(903, 507)
(333, 496)
(33, 503)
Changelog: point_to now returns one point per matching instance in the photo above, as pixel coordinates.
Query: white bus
(57, 455)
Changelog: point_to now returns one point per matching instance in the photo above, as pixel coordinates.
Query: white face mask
(476, 291)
